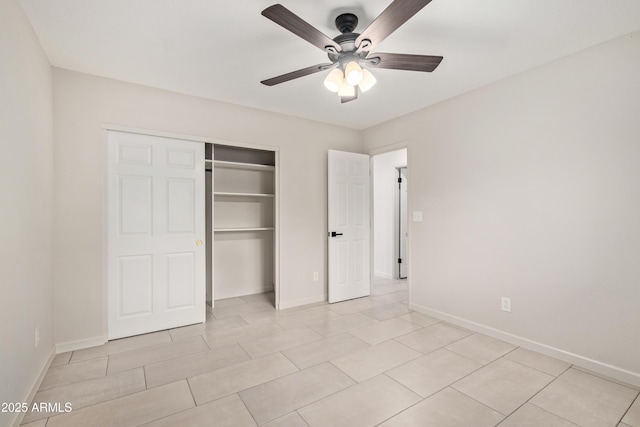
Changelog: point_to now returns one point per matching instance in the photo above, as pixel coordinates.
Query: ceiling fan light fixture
(349, 51)
(334, 80)
(347, 90)
(368, 80)
(353, 73)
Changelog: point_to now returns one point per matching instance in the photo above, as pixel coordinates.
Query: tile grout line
(539, 391)
(106, 371)
(175, 413)
(301, 417)
(191, 392)
(473, 372)
(637, 399)
(422, 399)
(328, 395)
(170, 358)
(294, 363)
(542, 372)
(144, 373)
(106, 400)
(547, 411)
(246, 407)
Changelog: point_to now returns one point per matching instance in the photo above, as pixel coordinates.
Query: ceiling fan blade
(344, 99)
(295, 74)
(403, 61)
(396, 14)
(292, 22)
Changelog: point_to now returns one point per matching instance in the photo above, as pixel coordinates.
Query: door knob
(199, 243)
(334, 234)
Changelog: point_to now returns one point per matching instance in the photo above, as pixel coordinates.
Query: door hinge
(399, 260)
(400, 180)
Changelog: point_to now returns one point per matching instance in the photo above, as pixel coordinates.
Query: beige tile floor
(364, 362)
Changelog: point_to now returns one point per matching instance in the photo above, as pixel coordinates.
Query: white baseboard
(383, 275)
(302, 301)
(614, 372)
(241, 293)
(80, 344)
(19, 416)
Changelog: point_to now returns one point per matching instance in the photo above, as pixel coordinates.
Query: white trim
(397, 229)
(19, 416)
(302, 301)
(383, 275)
(388, 148)
(276, 232)
(262, 290)
(80, 344)
(372, 234)
(614, 372)
(196, 138)
(240, 165)
(105, 231)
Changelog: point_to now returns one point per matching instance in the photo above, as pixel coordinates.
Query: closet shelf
(247, 166)
(223, 193)
(226, 230)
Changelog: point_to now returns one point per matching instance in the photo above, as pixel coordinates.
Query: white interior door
(402, 223)
(155, 233)
(349, 229)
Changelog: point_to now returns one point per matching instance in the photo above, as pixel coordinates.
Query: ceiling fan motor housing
(349, 51)
(346, 22)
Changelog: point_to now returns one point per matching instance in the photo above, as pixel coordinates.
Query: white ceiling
(222, 49)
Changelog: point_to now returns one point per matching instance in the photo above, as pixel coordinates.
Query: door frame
(276, 213)
(398, 229)
(383, 150)
(105, 127)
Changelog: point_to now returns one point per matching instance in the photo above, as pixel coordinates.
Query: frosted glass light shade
(334, 79)
(353, 73)
(367, 80)
(346, 89)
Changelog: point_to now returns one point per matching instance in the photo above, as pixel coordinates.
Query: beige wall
(84, 103)
(530, 190)
(26, 207)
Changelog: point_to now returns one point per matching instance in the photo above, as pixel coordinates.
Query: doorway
(401, 223)
(387, 216)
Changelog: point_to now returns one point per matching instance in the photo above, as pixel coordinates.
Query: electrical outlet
(506, 304)
(37, 336)
(316, 276)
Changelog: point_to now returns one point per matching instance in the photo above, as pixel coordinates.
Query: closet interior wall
(241, 203)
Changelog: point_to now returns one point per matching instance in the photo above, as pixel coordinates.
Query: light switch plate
(417, 216)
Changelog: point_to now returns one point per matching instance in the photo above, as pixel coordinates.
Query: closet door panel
(155, 233)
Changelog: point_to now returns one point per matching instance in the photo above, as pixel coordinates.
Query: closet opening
(241, 218)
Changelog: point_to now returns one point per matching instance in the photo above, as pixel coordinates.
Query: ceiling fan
(350, 53)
